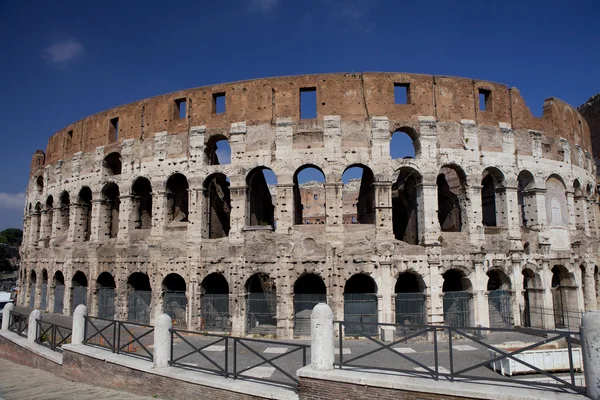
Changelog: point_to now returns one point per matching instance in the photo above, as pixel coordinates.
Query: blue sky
(62, 61)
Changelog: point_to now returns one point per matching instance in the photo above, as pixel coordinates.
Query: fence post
(32, 328)
(8, 309)
(321, 332)
(590, 346)
(162, 341)
(78, 332)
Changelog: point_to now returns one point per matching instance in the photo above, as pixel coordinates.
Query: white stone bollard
(32, 328)
(162, 341)
(321, 332)
(8, 308)
(78, 333)
(590, 346)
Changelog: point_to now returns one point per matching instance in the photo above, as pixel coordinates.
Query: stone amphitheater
(490, 219)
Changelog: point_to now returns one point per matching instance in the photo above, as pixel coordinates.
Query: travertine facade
(498, 207)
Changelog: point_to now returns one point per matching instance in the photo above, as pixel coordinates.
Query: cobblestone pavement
(20, 382)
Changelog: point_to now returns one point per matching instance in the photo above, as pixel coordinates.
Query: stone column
(237, 216)
(429, 224)
(513, 222)
(590, 346)
(476, 230)
(321, 333)
(547, 301)
(384, 300)
(196, 212)
(97, 226)
(38, 293)
(585, 216)
(435, 299)
(46, 228)
(384, 228)
(571, 210)
(56, 228)
(32, 329)
(482, 312)
(162, 341)
(34, 228)
(285, 310)
(517, 289)
(125, 217)
(159, 205)
(8, 309)
(285, 206)
(78, 332)
(333, 203)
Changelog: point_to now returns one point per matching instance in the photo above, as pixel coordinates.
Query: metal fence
(499, 304)
(261, 313)
(44, 299)
(174, 304)
(458, 354)
(139, 306)
(79, 296)
(411, 309)
(360, 308)
(457, 308)
(215, 313)
(540, 317)
(19, 323)
(52, 335)
(106, 302)
(303, 306)
(121, 337)
(238, 358)
(59, 297)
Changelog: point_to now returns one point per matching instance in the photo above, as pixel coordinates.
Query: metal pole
(234, 358)
(341, 344)
(435, 353)
(226, 357)
(451, 354)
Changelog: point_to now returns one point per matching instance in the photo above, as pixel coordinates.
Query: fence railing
(121, 337)
(238, 358)
(19, 323)
(538, 317)
(454, 353)
(52, 335)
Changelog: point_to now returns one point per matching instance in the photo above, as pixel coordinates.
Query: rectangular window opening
(316, 197)
(485, 100)
(114, 128)
(180, 108)
(401, 93)
(70, 133)
(308, 103)
(219, 103)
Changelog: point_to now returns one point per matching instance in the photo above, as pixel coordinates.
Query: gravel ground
(20, 382)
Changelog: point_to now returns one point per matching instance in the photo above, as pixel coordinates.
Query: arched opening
(174, 298)
(309, 290)
(79, 285)
(217, 206)
(59, 292)
(533, 314)
(112, 164)
(39, 182)
(261, 305)
(44, 292)
(32, 285)
(48, 218)
(177, 199)
(457, 299)
(564, 298)
(499, 299)
(452, 198)
(579, 200)
(139, 298)
(493, 198)
(557, 214)
(358, 195)
(217, 151)
(404, 144)
(260, 189)
(110, 210)
(309, 196)
(141, 192)
(411, 308)
(105, 286)
(406, 193)
(215, 303)
(526, 198)
(37, 222)
(360, 305)
(85, 202)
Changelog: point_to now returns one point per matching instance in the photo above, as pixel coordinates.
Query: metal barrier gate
(215, 312)
(456, 309)
(106, 302)
(411, 309)
(174, 304)
(138, 306)
(59, 298)
(79, 296)
(303, 305)
(360, 307)
(44, 299)
(499, 309)
(261, 313)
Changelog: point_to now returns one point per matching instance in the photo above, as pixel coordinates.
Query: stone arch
(139, 298)
(58, 289)
(105, 295)
(309, 197)
(79, 286)
(217, 150)
(64, 217)
(261, 304)
(39, 182)
(564, 298)
(174, 298)
(404, 143)
(360, 305)
(259, 198)
(410, 299)
(112, 164)
(493, 197)
(309, 290)
(526, 192)
(85, 204)
(177, 198)
(499, 299)
(215, 303)
(141, 192)
(44, 290)
(406, 205)
(32, 287)
(109, 214)
(458, 298)
(358, 200)
(453, 200)
(217, 206)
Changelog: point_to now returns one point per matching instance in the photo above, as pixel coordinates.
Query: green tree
(11, 236)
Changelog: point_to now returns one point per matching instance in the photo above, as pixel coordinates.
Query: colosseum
(489, 218)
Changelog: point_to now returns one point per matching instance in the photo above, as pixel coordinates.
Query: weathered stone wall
(591, 112)
(201, 223)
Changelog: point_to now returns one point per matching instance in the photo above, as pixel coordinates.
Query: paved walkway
(20, 382)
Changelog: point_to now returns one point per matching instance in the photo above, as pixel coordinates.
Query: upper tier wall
(351, 96)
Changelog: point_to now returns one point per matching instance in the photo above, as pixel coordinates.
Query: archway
(533, 297)
(404, 143)
(215, 303)
(309, 196)
(457, 299)
(452, 198)
(217, 205)
(112, 164)
(32, 288)
(110, 210)
(44, 294)
(360, 305)
(564, 298)
(217, 150)
(79, 285)
(499, 299)
(405, 206)
(261, 305)
(492, 198)
(411, 308)
(526, 198)
(309, 290)
(48, 218)
(260, 199)
(141, 192)
(85, 202)
(105, 285)
(59, 292)
(177, 199)
(358, 195)
(174, 298)
(139, 298)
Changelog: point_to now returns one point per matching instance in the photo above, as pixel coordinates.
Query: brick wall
(23, 356)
